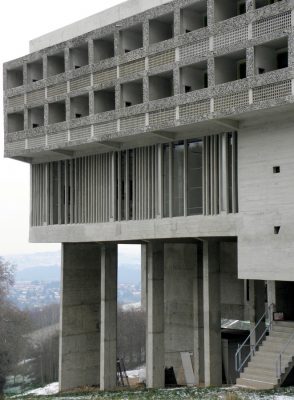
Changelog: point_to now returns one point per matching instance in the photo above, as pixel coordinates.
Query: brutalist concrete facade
(168, 125)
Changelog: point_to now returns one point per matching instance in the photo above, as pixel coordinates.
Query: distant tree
(131, 336)
(13, 325)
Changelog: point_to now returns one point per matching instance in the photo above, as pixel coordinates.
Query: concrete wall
(104, 101)
(159, 31)
(266, 199)
(55, 65)
(191, 20)
(131, 40)
(224, 9)
(80, 105)
(192, 76)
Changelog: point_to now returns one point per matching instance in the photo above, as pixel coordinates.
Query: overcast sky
(21, 21)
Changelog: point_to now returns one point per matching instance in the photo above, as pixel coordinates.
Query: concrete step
(254, 384)
(289, 324)
(279, 328)
(261, 372)
(281, 333)
(260, 377)
(265, 365)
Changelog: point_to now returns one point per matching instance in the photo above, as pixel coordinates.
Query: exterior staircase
(270, 365)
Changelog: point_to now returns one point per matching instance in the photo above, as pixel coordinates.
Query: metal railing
(280, 356)
(239, 360)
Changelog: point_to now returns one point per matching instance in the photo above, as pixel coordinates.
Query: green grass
(168, 394)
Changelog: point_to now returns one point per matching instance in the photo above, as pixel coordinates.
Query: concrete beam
(108, 316)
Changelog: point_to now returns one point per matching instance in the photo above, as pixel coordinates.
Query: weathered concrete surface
(79, 361)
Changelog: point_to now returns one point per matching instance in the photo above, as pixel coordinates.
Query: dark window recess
(188, 31)
(261, 71)
(35, 125)
(277, 230)
(276, 169)
(127, 51)
(242, 8)
(282, 60)
(77, 66)
(205, 79)
(205, 20)
(128, 104)
(247, 290)
(78, 115)
(242, 70)
(188, 89)
(35, 80)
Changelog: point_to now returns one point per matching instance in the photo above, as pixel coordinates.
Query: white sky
(21, 21)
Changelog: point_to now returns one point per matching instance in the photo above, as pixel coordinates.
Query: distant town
(37, 294)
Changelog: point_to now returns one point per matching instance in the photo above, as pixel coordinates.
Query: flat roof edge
(109, 16)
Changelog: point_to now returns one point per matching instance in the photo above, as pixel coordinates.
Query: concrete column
(212, 314)
(79, 356)
(108, 316)
(256, 308)
(155, 315)
(180, 265)
(198, 318)
(143, 276)
(271, 293)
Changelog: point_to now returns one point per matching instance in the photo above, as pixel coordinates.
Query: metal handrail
(239, 363)
(279, 358)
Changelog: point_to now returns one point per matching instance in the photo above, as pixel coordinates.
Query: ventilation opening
(55, 64)
(131, 39)
(194, 17)
(132, 93)
(161, 28)
(193, 77)
(277, 230)
(35, 71)
(230, 67)
(271, 56)
(79, 56)
(276, 169)
(161, 86)
(103, 48)
(79, 106)
(104, 100)
(14, 77)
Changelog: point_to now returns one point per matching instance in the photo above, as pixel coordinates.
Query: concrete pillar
(155, 315)
(198, 318)
(256, 309)
(271, 294)
(212, 314)
(180, 266)
(79, 356)
(108, 316)
(143, 276)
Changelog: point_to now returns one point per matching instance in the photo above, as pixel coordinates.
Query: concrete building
(168, 124)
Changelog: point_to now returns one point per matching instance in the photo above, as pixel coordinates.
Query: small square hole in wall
(277, 230)
(276, 169)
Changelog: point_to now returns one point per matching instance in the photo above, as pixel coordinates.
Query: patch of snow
(52, 388)
(139, 373)
(130, 306)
